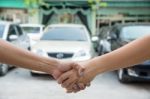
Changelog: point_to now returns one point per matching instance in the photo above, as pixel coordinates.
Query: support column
(93, 20)
(34, 16)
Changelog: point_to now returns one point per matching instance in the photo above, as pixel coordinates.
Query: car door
(12, 35)
(23, 39)
(113, 36)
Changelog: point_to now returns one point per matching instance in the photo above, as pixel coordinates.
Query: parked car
(34, 31)
(65, 41)
(13, 33)
(104, 45)
(120, 36)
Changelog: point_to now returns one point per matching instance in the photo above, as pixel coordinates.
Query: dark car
(123, 34)
(104, 45)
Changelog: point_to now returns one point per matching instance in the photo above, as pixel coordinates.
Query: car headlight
(40, 52)
(81, 55)
(32, 42)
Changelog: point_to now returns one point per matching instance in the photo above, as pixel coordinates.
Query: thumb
(56, 74)
(79, 68)
(81, 72)
(65, 66)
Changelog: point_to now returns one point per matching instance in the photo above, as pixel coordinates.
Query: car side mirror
(95, 39)
(13, 37)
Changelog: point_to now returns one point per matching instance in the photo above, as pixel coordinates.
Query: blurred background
(76, 30)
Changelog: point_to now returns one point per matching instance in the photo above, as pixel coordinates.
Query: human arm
(133, 53)
(13, 55)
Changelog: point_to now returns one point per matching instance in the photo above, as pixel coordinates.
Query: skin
(133, 53)
(13, 55)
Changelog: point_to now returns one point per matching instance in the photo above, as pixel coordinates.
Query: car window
(11, 31)
(2, 28)
(134, 32)
(27, 29)
(65, 33)
(19, 30)
(114, 31)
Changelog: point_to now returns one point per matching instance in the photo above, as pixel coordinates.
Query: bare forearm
(19, 57)
(132, 53)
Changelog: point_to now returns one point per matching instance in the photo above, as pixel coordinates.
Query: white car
(34, 31)
(65, 41)
(13, 33)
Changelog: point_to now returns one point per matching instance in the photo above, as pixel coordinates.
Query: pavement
(19, 84)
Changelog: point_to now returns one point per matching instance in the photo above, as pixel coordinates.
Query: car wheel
(29, 48)
(3, 69)
(123, 76)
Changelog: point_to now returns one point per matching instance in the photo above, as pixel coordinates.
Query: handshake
(73, 76)
(76, 76)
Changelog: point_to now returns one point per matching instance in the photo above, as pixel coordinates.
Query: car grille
(60, 55)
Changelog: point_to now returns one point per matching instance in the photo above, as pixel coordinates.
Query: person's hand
(69, 79)
(74, 71)
(64, 66)
(74, 83)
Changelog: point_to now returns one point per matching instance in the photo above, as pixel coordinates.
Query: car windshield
(27, 29)
(134, 32)
(65, 33)
(2, 27)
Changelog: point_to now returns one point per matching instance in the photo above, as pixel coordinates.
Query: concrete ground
(19, 84)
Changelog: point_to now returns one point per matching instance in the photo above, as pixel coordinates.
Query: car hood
(125, 41)
(34, 36)
(62, 46)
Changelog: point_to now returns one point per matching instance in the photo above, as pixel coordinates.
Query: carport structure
(94, 13)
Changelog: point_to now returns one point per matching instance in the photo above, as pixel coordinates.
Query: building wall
(122, 11)
(34, 16)
(15, 15)
(19, 11)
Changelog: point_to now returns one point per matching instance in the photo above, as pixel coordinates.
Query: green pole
(93, 20)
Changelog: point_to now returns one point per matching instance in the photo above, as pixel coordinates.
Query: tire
(123, 76)
(3, 69)
(29, 48)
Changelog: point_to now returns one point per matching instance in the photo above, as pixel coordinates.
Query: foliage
(33, 3)
(97, 3)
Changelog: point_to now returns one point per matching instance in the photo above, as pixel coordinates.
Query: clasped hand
(72, 76)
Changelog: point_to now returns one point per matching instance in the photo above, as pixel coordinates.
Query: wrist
(90, 72)
(98, 65)
(93, 68)
(54, 67)
(88, 76)
(50, 65)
